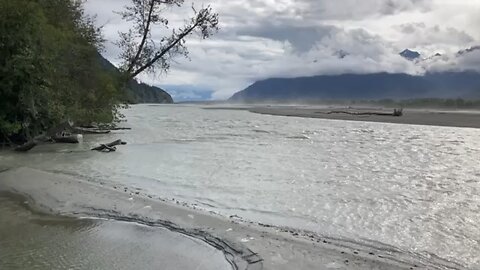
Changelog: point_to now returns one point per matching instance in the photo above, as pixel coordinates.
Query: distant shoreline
(429, 117)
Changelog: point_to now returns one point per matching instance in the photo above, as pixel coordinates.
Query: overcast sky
(287, 38)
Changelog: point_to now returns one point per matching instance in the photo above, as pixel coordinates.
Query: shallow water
(412, 187)
(34, 241)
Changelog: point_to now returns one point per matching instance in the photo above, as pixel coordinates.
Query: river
(416, 188)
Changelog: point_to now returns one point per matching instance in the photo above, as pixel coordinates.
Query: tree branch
(146, 31)
(144, 55)
(163, 52)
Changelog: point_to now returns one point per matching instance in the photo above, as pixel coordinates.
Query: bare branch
(141, 54)
(146, 25)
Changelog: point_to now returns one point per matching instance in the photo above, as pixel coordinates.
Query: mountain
(139, 92)
(469, 50)
(410, 55)
(364, 87)
(144, 93)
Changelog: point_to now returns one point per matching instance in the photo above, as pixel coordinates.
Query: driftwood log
(396, 112)
(104, 127)
(47, 137)
(82, 130)
(26, 147)
(32, 143)
(58, 134)
(43, 139)
(120, 128)
(109, 147)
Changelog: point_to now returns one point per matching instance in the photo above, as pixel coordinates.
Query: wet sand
(245, 245)
(470, 119)
(31, 240)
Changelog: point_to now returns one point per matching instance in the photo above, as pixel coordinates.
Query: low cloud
(286, 38)
(421, 35)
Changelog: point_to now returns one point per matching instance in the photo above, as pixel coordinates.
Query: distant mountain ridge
(365, 87)
(375, 86)
(416, 56)
(469, 50)
(139, 92)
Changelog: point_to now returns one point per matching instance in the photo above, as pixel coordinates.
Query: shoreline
(62, 242)
(246, 244)
(425, 117)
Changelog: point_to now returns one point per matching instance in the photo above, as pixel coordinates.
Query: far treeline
(418, 103)
(51, 71)
(439, 103)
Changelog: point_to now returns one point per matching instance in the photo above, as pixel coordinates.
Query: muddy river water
(413, 187)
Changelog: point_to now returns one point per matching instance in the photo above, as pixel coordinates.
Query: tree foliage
(141, 52)
(51, 71)
(49, 68)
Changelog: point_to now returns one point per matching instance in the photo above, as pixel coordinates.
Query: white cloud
(285, 38)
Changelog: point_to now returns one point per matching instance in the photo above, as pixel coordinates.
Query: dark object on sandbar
(396, 113)
(109, 147)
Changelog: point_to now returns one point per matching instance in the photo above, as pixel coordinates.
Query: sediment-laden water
(35, 241)
(413, 187)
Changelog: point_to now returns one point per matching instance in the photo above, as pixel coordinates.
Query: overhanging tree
(141, 53)
(49, 69)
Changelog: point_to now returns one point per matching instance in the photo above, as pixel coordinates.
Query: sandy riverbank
(245, 245)
(430, 117)
(35, 240)
(411, 116)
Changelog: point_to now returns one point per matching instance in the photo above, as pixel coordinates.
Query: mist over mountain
(365, 86)
(186, 93)
(375, 86)
(469, 50)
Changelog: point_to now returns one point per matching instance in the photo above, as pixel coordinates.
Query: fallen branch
(109, 147)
